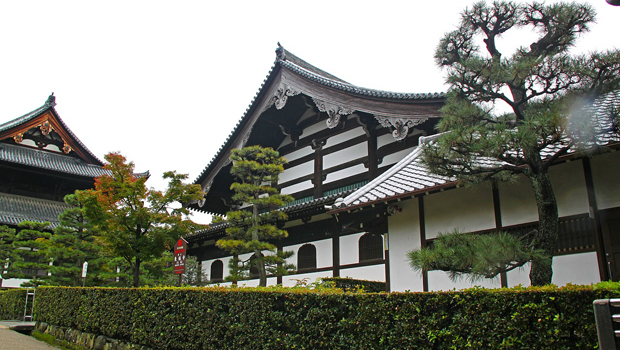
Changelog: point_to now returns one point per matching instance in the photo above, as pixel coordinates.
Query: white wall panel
(404, 236)
(576, 269)
(468, 209)
(302, 152)
(519, 276)
(291, 280)
(349, 249)
(354, 152)
(344, 173)
(297, 187)
(569, 186)
(606, 176)
(323, 253)
(517, 202)
(395, 157)
(439, 280)
(296, 172)
(385, 140)
(345, 136)
(314, 128)
(369, 273)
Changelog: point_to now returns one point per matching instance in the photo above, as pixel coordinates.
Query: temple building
(363, 199)
(41, 161)
(336, 137)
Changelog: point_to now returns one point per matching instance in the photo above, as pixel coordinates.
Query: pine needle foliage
(546, 95)
(253, 229)
(476, 256)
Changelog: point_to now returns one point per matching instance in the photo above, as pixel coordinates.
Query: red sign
(179, 256)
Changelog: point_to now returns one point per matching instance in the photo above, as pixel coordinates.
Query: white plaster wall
(345, 136)
(337, 158)
(517, 202)
(468, 209)
(404, 236)
(302, 152)
(606, 176)
(323, 253)
(576, 269)
(314, 128)
(396, 157)
(369, 273)
(385, 140)
(12, 282)
(291, 280)
(579, 268)
(297, 187)
(296, 172)
(439, 280)
(344, 173)
(349, 249)
(569, 187)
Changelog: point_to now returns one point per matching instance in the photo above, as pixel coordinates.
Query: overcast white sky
(164, 82)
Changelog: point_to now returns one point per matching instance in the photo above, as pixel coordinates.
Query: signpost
(180, 250)
(84, 270)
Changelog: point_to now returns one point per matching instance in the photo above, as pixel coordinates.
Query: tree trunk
(542, 271)
(136, 273)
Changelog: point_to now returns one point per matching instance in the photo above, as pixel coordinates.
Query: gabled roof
(15, 209)
(411, 177)
(291, 76)
(47, 119)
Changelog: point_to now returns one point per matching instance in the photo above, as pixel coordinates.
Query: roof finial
(280, 52)
(51, 101)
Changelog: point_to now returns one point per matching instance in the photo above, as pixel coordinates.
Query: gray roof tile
(411, 176)
(15, 209)
(47, 160)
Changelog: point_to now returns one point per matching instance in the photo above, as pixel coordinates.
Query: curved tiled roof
(49, 105)
(47, 160)
(15, 209)
(319, 202)
(410, 176)
(289, 61)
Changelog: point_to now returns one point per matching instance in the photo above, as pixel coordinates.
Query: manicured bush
(12, 304)
(278, 318)
(354, 285)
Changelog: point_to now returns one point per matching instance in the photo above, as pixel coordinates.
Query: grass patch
(61, 344)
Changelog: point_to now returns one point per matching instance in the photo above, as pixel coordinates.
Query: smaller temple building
(41, 161)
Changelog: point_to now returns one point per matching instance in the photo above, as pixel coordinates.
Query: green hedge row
(229, 318)
(12, 304)
(353, 285)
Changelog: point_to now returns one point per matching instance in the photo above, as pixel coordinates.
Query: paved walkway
(12, 340)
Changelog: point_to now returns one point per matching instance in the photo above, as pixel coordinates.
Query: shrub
(278, 318)
(12, 304)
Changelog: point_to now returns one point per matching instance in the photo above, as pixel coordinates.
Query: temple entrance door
(610, 226)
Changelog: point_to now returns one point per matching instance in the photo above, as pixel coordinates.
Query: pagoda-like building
(41, 161)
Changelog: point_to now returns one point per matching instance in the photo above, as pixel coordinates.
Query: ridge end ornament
(401, 126)
(334, 112)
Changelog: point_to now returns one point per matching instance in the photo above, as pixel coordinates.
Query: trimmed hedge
(353, 285)
(12, 304)
(229, 318)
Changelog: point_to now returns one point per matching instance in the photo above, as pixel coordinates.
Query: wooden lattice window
(217, 271)
(371, 247)
(306, 257)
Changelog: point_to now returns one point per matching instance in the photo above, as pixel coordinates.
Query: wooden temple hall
(41, 161)
(363, 198)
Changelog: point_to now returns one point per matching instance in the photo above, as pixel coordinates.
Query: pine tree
(253, 228)
(475, 256)
(74, 242)
(29, 254)
(547, 91)
(7, 236)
